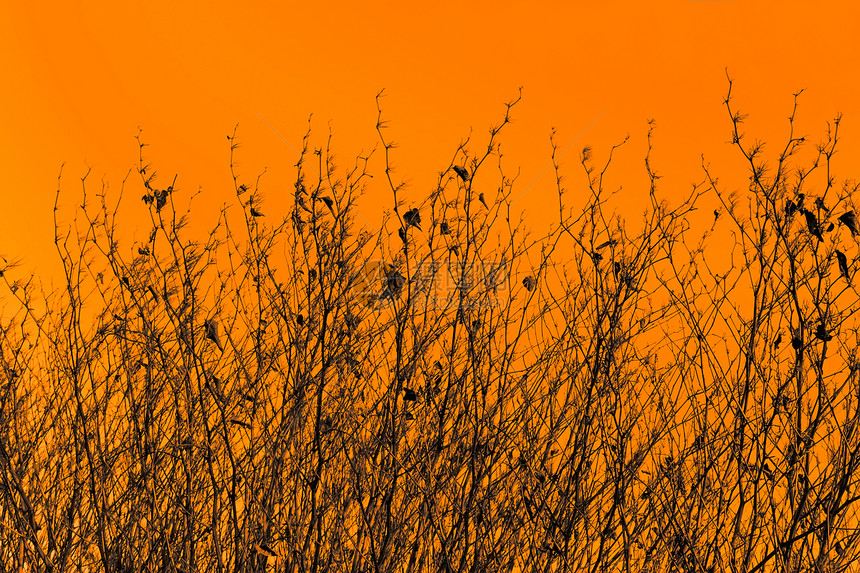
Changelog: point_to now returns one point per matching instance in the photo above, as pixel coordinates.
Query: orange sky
(79, 78)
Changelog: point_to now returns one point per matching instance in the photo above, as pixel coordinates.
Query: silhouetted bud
(849, 219)
(255, 213)
(843, 265)
(300, 319)
(821, 333)
(143, 250)
(443, 228)
(778, 340)
(795, 343)
(212, 332)
(481, 199)
(393, 283)
(409, 395)
(462, 172)
(160, 199)
(413, 218)
(328, 203)
(812, 225)
(402, 232)
(529, 283)
(394, 280)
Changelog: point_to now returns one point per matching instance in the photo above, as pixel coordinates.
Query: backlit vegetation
(296, 392)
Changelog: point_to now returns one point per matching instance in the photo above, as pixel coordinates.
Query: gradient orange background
(79, 78)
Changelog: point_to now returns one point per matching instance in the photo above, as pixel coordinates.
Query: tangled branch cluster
(446, 393)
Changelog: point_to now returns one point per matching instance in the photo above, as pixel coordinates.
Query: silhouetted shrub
(446, 393)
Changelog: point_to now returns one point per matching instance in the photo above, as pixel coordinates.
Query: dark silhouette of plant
(296, 393)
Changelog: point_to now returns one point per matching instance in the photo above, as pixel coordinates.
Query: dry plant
(446, 393)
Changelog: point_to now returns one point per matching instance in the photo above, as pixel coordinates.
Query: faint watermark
(432, 283)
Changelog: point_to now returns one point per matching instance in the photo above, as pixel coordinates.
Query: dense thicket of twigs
(448, 393)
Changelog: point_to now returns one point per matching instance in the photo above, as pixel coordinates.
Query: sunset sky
(80, 77)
